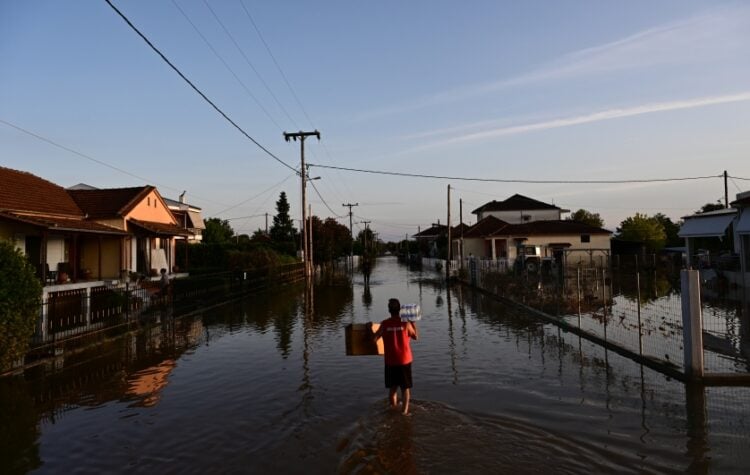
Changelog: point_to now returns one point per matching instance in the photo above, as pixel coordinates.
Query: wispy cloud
(599, 116)
(706, 37)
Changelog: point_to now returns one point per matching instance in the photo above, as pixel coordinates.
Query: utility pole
(310, 238)
(461, 224)
(450, 244)
(364, 235)
(726, 190)
(351, 232)
(302, 136)
(266, 224)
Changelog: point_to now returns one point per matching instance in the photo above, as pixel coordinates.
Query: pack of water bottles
(410, 312)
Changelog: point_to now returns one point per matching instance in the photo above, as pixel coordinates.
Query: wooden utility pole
(364, 235)
(310, 238)
(461, 224)
(726, 190)
(302, 136)
(266, 224)
(351, 232)
(450, 244)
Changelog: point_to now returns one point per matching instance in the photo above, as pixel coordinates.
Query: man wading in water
(396, 335)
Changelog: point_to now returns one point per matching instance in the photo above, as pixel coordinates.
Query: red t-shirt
(396, 342)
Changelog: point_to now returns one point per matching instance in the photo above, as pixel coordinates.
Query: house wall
(598, 241)
(55, 251)
(118, 223)
(475, 247)
(515, 217)
(152, 208)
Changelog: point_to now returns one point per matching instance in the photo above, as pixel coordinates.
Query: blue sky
(520, 90)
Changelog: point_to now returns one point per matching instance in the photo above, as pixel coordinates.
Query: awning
(709, 226)
(743, 225)
(196, 219)
(160, 229)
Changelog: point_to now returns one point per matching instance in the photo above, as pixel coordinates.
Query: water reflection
(494, 391)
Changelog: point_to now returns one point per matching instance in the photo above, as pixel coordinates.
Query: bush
(20, 294)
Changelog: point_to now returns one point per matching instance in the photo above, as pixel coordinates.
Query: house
(428, 239)
(143, 214)
(86, 233)
(520, 209)
(48, 226)
(730, 229)
(188, 217)
(532, 231)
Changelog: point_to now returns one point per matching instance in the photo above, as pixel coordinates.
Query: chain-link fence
(631, 307)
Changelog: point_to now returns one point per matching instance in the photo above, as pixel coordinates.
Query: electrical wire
(226, 65)
(250, 63)
(337, 216)
(257, 195)
(195, 88)
(513, 180)
(100, 162)
(739, 178)
(278, 67)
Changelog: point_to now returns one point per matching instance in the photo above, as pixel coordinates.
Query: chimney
(182, 196)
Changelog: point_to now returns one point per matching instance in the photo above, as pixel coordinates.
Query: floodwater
(261, 385)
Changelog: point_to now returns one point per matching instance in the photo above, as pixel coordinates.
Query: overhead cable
(100, 162)
(337, 216)
(226, 65)
(513, 180)
(195, 88)
(257, 195)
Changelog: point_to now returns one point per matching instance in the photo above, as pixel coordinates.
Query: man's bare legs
(406, 395)
(392, 396)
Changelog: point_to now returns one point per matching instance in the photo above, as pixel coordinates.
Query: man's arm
(376, 335)
(413, 333)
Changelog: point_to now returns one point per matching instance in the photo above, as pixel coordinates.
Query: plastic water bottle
(410, 312)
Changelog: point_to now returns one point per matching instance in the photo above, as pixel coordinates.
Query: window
(585, 238)
(148, 201)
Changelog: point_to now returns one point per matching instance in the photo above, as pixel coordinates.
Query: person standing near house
(164, 283)
(396, 337)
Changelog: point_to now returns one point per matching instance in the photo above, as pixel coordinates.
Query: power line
(226, 65)
(514, 180)
(324, 201)
(247, 60)
(95, 160)
(195, 88)
(245, 217)
(735, 177)
(255, 196)
(278, 67)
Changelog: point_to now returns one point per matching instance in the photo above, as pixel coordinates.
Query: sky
(556, 91)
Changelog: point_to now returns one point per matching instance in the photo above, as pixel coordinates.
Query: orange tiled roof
(22, 191)
(62, 224)
(109, 202)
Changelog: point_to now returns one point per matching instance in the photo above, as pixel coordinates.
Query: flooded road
(260, 385)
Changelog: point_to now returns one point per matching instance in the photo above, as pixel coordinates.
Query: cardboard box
(359, 340)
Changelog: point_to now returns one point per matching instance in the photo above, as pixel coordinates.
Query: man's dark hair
(394, 306)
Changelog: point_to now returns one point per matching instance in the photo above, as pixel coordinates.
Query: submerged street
(262, 384)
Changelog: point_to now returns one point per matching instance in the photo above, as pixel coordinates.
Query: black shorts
(398, 375)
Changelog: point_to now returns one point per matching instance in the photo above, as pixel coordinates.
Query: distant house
(532, 231)
(732, 227)
(520, 209)
(428, 239)
(86, 233)
(188, 217)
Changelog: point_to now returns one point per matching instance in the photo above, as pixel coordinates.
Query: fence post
(692, 323)
(87, 305)
(604, 301)
(578, 292)
(44, 333)
(638, 302)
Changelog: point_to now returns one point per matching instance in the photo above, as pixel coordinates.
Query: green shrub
(20, 294)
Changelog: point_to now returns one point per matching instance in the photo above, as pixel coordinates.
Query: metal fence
(79, 312)
(640, 312)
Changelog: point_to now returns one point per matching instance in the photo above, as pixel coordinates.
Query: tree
(331, 239)
(282, 231)
(711, 207)
(20, 293)
(587, 217)
(218, 231)
(645, 229)
(671, 229)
